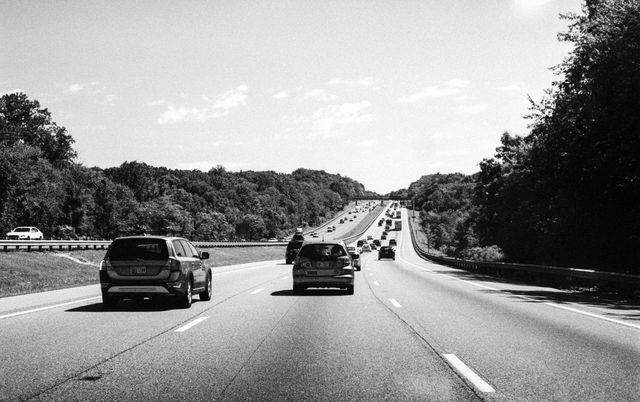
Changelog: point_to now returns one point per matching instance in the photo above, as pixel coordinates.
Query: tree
(25, 121)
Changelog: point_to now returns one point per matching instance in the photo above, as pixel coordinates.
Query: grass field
(24, 272)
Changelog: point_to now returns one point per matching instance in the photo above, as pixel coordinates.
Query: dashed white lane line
(35, 310)
(255, 292)
(191, 324)
(376, 283)
(469, 374)
(395, 303)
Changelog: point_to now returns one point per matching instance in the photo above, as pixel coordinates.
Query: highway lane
(397, 338)
(528, 343)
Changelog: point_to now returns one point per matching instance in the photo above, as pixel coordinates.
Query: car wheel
(288, 262)
(185, 300)
(350, 289)
(109, 302)
(297, 288)
(208, 289)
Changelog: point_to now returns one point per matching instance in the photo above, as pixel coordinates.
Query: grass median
(24, 272)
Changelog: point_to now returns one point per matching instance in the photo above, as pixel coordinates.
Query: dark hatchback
(154, 266)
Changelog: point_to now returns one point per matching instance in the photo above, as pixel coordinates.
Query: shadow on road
(130, 306)
(621, 308)
(310, 292)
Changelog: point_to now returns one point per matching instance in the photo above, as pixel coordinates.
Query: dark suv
(386, 252)
(292, 250)
(154, 266)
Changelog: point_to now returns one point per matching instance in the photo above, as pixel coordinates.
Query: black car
(292, 250)
(136, 267)
(386, 252)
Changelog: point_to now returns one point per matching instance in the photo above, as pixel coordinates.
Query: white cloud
(281, 95)
(326, 120)
(473, 109)
(360, 82)
(514, 88)
(313, 93)
(74, 88)
(216, 107)
(447, 88)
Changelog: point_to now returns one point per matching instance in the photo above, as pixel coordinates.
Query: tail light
(105, 266)
(174, 265)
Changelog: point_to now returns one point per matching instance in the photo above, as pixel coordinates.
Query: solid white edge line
(35, 310)
(395, 303)
(575, 310)
(469, 374)
(257, 291)
(628, 324)
(191, 324)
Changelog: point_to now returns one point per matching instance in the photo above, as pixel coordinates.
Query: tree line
(41, 185)
(568, 193)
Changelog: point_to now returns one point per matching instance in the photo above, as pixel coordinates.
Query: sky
(381, 91)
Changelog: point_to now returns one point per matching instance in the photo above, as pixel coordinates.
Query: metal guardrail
(42, 245)
(536, 272)
(58, 245)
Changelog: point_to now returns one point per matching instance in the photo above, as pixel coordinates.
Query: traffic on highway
(397, 327)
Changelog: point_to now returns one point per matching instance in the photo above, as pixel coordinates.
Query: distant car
(341, 220)
(373, 246)
(154, 266)
(370, 237)
(314, 234)
(25, 233)
(322, 264)
(393, 242)
(366, 248)
(386, 252)
(360, 242)
(383, 237)
(377, 242)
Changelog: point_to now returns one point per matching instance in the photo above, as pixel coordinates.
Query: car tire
(297, 288)
(109, 302)
(288, 262)
(350, 289)
(185, 299)
(206, 294)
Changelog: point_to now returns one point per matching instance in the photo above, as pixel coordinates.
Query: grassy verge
(30, 272)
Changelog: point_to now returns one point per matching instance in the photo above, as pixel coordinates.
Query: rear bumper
(141, 288)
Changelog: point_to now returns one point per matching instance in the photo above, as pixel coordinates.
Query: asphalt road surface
(413, 330)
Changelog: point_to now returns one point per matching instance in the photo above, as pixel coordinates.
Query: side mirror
(355, 256)
(204, 255)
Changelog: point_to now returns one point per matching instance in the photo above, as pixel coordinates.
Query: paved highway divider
(542, 274)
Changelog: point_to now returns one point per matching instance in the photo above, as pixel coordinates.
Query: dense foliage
(40, 185)
(568, 192)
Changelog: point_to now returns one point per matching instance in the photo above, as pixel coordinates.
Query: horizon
(381, 92)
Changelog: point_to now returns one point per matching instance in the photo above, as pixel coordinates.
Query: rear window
(138, 249)
(21, 229)
(316, 251)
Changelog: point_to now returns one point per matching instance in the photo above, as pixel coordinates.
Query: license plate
(138, 270)
(312, 272)
(323, 264)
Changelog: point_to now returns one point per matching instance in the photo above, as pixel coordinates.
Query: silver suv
(154, 266)
(323, 264)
